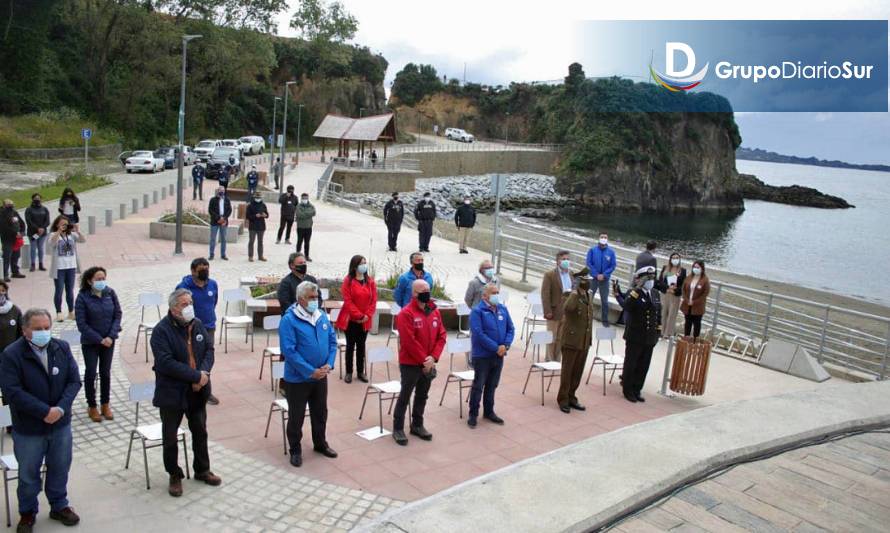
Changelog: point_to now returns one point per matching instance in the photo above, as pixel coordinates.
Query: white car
(458, 134)
(253, 144)
(144, 161)
(233, 143)
(205, 148)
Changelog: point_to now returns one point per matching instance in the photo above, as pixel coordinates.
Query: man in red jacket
(421, 339)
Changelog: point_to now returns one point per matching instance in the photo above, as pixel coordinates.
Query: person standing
(288, 202)
(98, 314)
(69, 207)
(10, 319)
(277, 171)
(575, 338)
(647, 257)
(393, 214)
(37, 221)
(256, 214)
(305, 214)
(492, 334)
(253, 181)
(309, 346)
(643, 307)
(476, 287)
(373, 158)
(198, 174)
(40, 379)
(670, 283)
(421, 341)
(204, 295)
(224, 174)
(555, 289)
(695, 296)
(183, 359)
(359, 294)
(287, 287)
(219, 209)
(464, 219)
(402, 293)
(12, 230)
(601, 262)
(425, 213)
(64, 263)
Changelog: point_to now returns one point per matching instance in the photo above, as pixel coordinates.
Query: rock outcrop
(754, 189)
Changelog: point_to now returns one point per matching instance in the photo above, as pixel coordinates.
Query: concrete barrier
(145, 201)
(109, 216)
(91, 225)
(154, 197)
(163, 193)
(198, 234)
(135, 205)
(123, 212)
(170, 189)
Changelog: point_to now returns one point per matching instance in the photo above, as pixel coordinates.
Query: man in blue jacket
(601, 262)
(253, 180)
(205, 295)
(403, 292)
(40, 380)
(491, 335)
(309, 346)
(183, 353)
(198, 182)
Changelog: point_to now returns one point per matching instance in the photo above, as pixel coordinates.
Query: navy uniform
(223, 177)
(393, 213)
(643, 307)
(198, 181)
(425, 213)
(253, 179)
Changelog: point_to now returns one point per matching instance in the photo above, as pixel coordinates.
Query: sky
(502, 41)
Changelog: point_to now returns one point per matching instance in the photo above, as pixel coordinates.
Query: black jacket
(393, 213)
(642, 316)
(425, 210)
(173, 375)
(288, 206)
(36, 218)
(213, 210)
(10, 327)
(662, 283)
(11, 224)
(465, 216)
(253, 209)
(287, 291)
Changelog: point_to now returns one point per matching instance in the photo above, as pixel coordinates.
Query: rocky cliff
(754, 189)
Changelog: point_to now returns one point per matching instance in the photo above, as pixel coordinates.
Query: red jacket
(420, 334)
(359, 299)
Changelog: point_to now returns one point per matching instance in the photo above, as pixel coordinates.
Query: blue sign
(86, 133)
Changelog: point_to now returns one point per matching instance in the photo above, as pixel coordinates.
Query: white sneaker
(70, 315)
(60, 317)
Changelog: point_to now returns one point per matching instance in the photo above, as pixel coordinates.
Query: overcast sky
(519, 40)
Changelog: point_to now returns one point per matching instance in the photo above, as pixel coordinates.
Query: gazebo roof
(375, 128)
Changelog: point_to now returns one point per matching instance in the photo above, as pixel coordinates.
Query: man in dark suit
(425, 213)
(393, 213)
(219, 209)
(643, 307)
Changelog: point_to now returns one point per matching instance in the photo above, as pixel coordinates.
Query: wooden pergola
(364, 132)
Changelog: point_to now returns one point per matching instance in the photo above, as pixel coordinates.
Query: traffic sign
(86, 133)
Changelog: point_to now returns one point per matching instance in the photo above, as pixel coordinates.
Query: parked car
(189, 157)
(458, 134)
(123, 156)
(233, 143)
(254, 143)
(170, 153)
(220, 158)
(144, 161)
(204, 148)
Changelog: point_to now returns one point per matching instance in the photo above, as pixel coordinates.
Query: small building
(359, 132)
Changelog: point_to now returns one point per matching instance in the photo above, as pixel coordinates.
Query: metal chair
(8, 463)
(150, 435)
(534, 315)
(325, 294)
(394, 310)
(236, 296)
(463, 310)
(610, 359)
(548, 369)
(341, 342)
(464, 378)
(390, 388)
(147, 299)
(278, 404)
(270, 324)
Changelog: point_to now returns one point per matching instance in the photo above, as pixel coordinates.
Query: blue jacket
(173, 374)
(490, 328)
(305, 347)
(402, 292)
(253, 178)
(204, 299)
(601, 261)
(97, 316)
(198, 173)
(31, 390)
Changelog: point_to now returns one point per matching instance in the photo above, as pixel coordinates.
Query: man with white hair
(492, 334)
(486, 276)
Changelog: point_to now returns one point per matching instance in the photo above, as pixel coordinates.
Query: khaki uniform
(575, 338)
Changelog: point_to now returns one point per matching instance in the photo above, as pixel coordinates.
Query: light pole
(506, 128)
(272, 148)
(284, 130)
(177, 250)
(299, 117)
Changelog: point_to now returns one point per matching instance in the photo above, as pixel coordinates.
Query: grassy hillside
(52, 129)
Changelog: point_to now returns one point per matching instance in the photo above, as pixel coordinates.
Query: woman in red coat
(359, 306)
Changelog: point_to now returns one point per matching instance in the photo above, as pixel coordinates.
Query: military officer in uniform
(643, 307)
(425, 213)
(575, 337)
(393, 213)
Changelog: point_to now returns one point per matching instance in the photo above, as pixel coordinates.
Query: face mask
(696, 271)
(604, 241)
(423, 297)
(257, 200)
(3, 300)
(300, 269)
(188, 313)
(675, 262)
(41, 338)
(494, 299)
(426, 198)
(466, 202)
(565, 264)
(203, 275)
(362, 268)
(304, 201)
(648, 284)
(312, 307)
(396, 199)
(100, 285)
(418, 267)
(221, 194)
(488, 273)
(35, 203)
(584, 285)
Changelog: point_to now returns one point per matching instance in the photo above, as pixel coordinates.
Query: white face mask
(467, 202)
(675, 262)
(604, 241)
(696, 271)
(648, 284)
(188, 313)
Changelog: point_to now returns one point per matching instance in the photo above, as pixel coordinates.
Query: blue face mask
(362, 268)
(312, 306)
(565, 264)
(489, 273)
(100, 285)
(494, 299)
(41, 337)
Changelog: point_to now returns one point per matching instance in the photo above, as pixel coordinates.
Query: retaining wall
(438, 164)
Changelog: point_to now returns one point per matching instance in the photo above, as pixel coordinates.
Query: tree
(242, 14)
(414, 82)
(318, 21)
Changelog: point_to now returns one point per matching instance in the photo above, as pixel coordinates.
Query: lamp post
(284, 130)
(506, 128)
(177, 250)
(299, 118)
(272, 148)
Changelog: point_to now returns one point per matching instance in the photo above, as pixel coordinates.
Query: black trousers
(303, 236)
(392, 235)
(355, 343)
(198, 189)
(289, 223)
(315, 394)
(10, 259)
(425, 230)
(413, 380)
(637, 357)
(96, 355)
(692, 321)
(196, 414)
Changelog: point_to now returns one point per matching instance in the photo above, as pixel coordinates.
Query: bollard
(170, 189)
(109, 215)
(154, 197)
(163, 193)
(91, 225)
(145, 201)
(25, 252)
(135, 205)
(123, 213)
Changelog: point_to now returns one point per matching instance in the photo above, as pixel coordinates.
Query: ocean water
(844, 251)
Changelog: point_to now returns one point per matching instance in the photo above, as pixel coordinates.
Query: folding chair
(464, 378)
(341, 342)
(270, 324)
(147, 299)
(236, 296)
(8, 463)
(534, 316)
(394, 310)
(463, 310)
(548, 369)
(150, 435)
(278, 404)
(390, 388)
(610, 359)
(325, 294)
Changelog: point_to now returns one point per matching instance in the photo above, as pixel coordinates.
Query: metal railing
(381, 164)
(480, 146)
(321, 190)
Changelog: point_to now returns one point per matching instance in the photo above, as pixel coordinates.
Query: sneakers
(59, 316)
(106, 412)
(94, 415)
(66, 516)
(209, 478)
(175, 488)
(421, 433)
(26, 523)
(399, 436)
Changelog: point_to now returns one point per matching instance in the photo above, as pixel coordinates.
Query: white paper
(672, 280)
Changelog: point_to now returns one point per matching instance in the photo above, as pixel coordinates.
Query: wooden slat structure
(363, 131)
(690, 369)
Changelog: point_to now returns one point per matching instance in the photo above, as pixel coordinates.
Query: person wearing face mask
(288, 203)
(464, 219)
(10, 319)
(670, 283)
(421, 341)
(304, 216)
(694, 298)
(574, 340)
(601, 262)
(309, 347)
(37, 221)
(205, 295)
(556, 287)
(476, 287)
(198, 174)
(69, 206)
(98, 313)
(359, 307)
(64, 263)
(492, 334)
(256, 215)
(287, 287)
(219, 209)
(224, 174)
(643, 307)
(12, 230)
(40, 380)
(393, 214)
(425, 213)
(253, 180)
(402, 293)
(183, 358)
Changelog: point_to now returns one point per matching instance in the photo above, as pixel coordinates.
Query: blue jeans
(221, 230)
(30, 452)
(487, 377)
(37, 249)
(603, 288)
(65, 279)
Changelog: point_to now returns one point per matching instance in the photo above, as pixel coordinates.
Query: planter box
(240, 195)
(197, 234)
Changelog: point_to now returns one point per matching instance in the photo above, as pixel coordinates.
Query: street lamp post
(506, 128)
(178, 247)
(272, 147)
(299, 117)
(284, 130)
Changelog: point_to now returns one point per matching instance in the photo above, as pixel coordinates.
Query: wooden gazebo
(364, 132)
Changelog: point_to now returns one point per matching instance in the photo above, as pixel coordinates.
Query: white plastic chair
(386, 390)
(278, 404)
(325, 294)
(534, 315)
(236, 296)
(270, 324)
(147, 299)
(150, 435)
(464, 378)
(394, 311)
(611, 359)
(8, 463)
(548, 369)
(341, 342)
(463, 310)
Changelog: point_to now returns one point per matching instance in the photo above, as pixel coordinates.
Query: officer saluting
(643, 307)
(198, 181)
(393, 213)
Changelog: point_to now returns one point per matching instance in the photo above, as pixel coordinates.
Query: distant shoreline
(757, 154)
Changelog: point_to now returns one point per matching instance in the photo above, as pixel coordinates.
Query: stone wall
(374, 181)
(458, 163)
